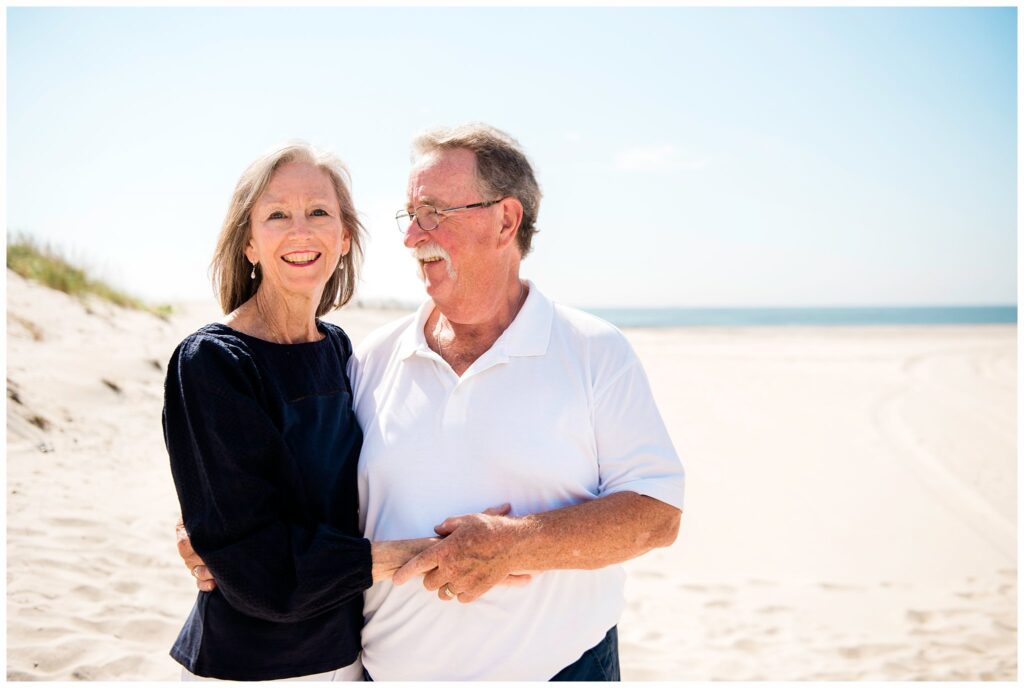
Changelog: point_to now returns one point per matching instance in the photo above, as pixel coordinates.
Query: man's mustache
(431, 251)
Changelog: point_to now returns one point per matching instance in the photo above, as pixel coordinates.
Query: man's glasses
(428, 217)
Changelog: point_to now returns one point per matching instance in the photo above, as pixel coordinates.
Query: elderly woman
(263, 442)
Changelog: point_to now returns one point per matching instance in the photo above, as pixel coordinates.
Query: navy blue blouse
(263, 446)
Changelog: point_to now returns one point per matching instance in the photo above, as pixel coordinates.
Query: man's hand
(480, 549)
(204, 579)
(476, 554)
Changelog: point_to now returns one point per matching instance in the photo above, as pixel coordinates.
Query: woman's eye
(276, 215)
(320, 212)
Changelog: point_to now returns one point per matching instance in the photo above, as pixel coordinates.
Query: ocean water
(747, 317)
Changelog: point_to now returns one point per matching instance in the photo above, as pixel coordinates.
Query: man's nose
(414, 235)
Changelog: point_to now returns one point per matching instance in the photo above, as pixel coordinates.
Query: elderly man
(493, 394)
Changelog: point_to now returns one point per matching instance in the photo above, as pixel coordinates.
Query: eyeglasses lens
(427, 217)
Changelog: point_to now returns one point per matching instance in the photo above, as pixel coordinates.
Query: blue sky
(688, 156)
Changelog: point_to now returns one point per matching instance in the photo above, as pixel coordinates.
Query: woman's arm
(225, 454)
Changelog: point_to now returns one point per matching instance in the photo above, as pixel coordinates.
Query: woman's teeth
(301, 257)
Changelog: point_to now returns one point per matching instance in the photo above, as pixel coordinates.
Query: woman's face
(297, 236)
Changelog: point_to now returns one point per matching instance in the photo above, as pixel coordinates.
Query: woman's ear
(250, 252)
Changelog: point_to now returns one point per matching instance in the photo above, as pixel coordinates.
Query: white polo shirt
(557, 412)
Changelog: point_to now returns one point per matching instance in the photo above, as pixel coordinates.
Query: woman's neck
(276, 318)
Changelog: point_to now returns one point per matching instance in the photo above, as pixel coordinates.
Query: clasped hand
(474, 555)
(477, 552)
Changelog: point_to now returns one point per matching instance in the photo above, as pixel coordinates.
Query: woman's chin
(309, 286)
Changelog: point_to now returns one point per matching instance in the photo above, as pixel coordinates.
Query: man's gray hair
(501, 166)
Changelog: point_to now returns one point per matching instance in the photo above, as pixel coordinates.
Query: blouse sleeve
(225, 454)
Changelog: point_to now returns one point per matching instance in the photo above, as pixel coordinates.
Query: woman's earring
(252, 275)
(341, 264)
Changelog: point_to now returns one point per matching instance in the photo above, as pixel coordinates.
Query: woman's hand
(204, 579)
(389, 555)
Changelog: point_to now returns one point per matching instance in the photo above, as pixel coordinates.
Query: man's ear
(511, 220)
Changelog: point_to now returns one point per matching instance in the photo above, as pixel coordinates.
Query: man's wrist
(521, 535)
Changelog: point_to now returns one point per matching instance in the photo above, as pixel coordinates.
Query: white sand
(851, 497)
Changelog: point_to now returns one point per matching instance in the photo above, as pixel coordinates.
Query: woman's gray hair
(230, 269)
(502, 168)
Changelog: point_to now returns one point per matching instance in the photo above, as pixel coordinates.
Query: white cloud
(664, 158)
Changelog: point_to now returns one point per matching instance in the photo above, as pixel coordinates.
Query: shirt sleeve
(635, 453)
(226, 456)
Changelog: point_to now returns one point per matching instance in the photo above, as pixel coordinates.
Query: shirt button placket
(455, 408)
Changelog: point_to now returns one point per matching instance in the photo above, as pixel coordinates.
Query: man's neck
(462, 343)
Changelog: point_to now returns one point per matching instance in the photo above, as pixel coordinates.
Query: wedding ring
(447, 591)
(195, 571)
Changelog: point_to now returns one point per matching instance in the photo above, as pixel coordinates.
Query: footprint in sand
(71, 522)
(89, 592)
(950, 613)
(656, 575)
(745, 645)
(25, 532)
(725, 589)
(127, 587)
(839, 587)
(939, 632)
(45, 632)
(718, 603)
(869, 650)
(148, 627)
(82, 539)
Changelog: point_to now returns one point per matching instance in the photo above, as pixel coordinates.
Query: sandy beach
(851, 499)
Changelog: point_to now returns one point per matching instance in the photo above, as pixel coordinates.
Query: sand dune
(851, 506)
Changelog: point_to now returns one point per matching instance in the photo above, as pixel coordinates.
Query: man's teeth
(301, 257)
(431, 260)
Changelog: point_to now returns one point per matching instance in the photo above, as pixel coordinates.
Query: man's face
(469, 238)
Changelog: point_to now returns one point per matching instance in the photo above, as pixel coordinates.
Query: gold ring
(447, 591)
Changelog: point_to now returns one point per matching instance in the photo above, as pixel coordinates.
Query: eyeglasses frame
(407, 216)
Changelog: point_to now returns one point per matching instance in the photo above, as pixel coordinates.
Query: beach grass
(50, 266)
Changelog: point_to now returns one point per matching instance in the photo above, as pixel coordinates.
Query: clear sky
(688, 156)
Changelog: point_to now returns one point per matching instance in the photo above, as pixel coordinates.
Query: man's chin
(435, 275)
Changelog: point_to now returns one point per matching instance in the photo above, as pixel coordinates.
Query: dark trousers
(599, 663)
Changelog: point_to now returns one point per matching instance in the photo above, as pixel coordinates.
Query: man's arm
(480, 550)
(387, 556)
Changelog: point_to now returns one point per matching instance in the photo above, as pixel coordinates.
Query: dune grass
(49, 266)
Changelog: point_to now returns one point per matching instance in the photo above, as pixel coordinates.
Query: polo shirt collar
(527, 335)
